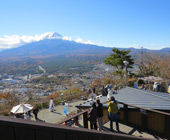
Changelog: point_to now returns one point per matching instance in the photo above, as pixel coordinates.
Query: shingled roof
(141, 98)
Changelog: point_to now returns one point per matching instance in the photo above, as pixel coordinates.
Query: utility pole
(142, 65)
(126, 70)
(141, 55)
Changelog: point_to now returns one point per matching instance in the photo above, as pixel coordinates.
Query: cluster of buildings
(21, 84)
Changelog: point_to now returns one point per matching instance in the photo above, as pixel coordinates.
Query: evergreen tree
(117, 57)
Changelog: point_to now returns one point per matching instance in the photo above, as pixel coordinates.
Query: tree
(10, 97)
(117, 57)
(156, 65)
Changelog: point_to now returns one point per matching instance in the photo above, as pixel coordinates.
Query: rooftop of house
(138, 97)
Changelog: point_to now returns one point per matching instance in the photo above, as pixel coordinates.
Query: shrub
(39, 106)
(57, 101)
(131, 83)
(45, 105)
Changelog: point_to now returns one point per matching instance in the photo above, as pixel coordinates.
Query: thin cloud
(154, 44)
(80, 40)
(13, 41)
(67, 38)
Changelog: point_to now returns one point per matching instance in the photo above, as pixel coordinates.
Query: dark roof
(141, 98)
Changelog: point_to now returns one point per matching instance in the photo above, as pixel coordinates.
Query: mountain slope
(52, 47)
(57, 55)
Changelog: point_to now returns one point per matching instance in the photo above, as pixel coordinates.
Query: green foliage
(66, 64)
(117, 57)
(76, 64)
(23, 66)
(119, 73)
(131, 83)
(47, 80)
(57, 101)
(45, 105)
(39, 106)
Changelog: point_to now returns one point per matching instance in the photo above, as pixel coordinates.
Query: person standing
(28, 115)
(35, 112)
(92, 95)
(100, 114)
(113, 113)
(94, 90)
(93, 116)
(51, 105)
(89, 91)
(110, 94)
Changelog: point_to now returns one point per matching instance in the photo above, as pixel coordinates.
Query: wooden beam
(167, 126)
(85, 120)
(125, 113)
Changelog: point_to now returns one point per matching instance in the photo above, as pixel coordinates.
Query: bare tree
(156, 65)
(11, 98)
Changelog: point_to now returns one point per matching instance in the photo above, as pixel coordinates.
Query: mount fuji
(55, 52)
(52, 44)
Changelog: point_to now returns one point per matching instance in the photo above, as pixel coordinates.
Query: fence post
(144, 121)
(167, 126)
(85, 120)
(125, 113)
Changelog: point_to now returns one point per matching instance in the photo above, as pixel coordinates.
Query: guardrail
(153, 121)
(20, 129)
(85, 118)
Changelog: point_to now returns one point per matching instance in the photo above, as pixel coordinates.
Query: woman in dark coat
(93, 116)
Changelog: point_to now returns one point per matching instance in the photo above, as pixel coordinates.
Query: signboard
(65, 108)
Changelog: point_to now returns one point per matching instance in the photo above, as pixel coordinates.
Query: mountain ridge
(52, 47)
(56, 54)
(53, 44)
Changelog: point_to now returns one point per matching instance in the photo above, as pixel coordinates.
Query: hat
(112, 98)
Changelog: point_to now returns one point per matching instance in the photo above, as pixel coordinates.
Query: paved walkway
(124, 129)
(58, 115)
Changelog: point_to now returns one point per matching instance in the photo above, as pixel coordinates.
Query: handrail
(76, 115)
(20, 128)
(148, 115)
(142, 122)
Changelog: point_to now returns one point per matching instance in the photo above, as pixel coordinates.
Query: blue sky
(112, 23)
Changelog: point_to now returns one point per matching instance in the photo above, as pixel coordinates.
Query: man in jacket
(100, 114)
(113, 110)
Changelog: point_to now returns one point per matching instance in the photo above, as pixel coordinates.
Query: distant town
(22, 84)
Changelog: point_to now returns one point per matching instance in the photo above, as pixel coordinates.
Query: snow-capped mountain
(14, 41)
(53, 44)
(51, 35)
